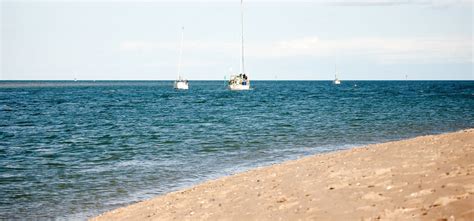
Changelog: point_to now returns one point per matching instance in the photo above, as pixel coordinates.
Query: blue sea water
(71, 150)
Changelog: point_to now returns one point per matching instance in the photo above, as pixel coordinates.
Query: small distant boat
(336, 80)
(241, 80)
(181, 83)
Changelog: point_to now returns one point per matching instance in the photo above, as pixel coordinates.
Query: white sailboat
(240, 81)
(336, 80)
(181, 83)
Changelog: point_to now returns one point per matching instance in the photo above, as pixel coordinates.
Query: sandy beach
(424, 178)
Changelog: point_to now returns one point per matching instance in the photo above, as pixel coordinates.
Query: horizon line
(92, 80)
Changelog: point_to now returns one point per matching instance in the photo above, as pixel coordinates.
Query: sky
(284, 40)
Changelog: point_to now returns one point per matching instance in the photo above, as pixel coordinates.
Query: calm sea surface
(71, 150)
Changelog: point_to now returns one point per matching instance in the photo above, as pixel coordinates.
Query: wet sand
(424, 178)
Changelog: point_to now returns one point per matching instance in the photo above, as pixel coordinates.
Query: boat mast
(180, 53)
(242, 67)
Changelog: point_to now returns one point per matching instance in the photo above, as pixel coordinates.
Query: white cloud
(376, 49)
(432, 3)
(381, 50)
(139, 45)
(330, 2)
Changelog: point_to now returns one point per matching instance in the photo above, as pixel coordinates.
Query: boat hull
(239, 87)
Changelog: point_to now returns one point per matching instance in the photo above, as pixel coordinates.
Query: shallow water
(71, 150)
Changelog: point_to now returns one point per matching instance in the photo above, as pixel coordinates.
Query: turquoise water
(71, 150)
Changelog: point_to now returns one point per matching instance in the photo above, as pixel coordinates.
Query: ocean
(72, 150)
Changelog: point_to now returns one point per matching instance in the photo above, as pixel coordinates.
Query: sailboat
(180, 83)
(240, 81)
(336, 80)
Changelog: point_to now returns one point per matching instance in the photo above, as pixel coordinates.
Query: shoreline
(428, 177)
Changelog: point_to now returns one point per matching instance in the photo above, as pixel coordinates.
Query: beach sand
(424, 178)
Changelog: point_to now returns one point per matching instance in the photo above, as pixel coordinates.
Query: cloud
(330, 2)
(369, 2)
(430, 3)
(381, 50)
(147, 46)
(137, 46)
